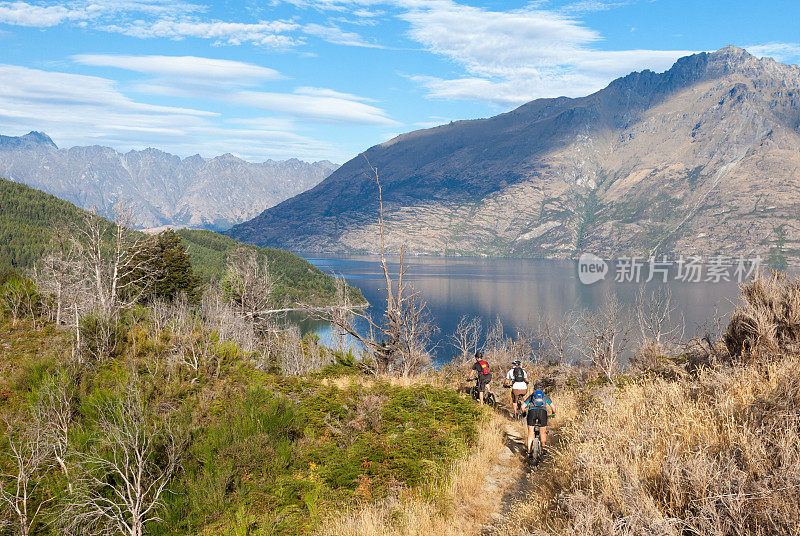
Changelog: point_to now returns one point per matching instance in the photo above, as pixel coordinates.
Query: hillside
(700, 159)
(27, 216)
(196, 192)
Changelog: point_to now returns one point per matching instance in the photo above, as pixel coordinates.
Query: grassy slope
(27, 216)
(266, 455)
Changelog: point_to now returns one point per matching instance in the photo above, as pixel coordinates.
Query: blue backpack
(538, 398)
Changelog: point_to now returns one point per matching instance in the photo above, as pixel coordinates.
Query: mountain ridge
(165, 189)
(615, 172)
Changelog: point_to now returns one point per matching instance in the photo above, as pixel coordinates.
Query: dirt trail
(511, 477)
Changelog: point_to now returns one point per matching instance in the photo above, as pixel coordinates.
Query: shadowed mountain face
(701, 159)
(163, 188)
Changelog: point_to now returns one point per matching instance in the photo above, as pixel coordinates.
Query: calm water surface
(518, 291)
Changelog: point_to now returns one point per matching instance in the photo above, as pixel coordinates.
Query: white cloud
(42, 16)
(317, 108)
(511, 57)
(222, 81)
(183, 67)
(337, 36)
(23, 14)
(269, 34)
(324, 92)
(783, 52)
(88, 110)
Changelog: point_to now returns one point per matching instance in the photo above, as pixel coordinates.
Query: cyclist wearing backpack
(480, 370)
(537, 404)
(517, 379)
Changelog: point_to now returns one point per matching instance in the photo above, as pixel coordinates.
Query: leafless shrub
(54, 412)
(603, 336)
(655, 313)
(341, 314)
(248, 282)
(467, 337)
(58, 276)
(121, 480)
(297, 356)
(556, 336)
(25, 468)
(21, 300)
(218, 315)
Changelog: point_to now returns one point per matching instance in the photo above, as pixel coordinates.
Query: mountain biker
(537, 404)
(517, 379)
(480, 370)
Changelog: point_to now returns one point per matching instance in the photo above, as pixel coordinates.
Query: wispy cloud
(269, 34)
(783, 52)
(324, 92)
(192, 67)
(88, 110)
(317, 108)
(337, 36)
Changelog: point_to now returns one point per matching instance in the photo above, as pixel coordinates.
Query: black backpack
(519, 374)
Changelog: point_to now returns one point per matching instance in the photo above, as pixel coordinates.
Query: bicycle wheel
(490, 399)
(536, 451)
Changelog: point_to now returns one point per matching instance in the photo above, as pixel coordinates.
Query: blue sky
(326, 79)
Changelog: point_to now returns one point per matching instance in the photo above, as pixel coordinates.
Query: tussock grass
(715, 452)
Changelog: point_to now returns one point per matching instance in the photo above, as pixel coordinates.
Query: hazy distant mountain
(165, 189)
(703, 158)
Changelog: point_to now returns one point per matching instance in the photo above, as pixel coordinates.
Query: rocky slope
(164, 189)
(703, 158)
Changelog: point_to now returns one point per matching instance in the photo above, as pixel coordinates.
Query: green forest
(28, 218)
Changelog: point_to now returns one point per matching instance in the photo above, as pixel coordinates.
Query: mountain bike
(518, 407)
(535, 454)
(488, 396)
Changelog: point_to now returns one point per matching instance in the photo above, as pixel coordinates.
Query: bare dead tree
(123, 476)
(654, 313)
(466, 337)
(497, 347)
(54, 413)
(401, 335)
(28, 459)
(248, 281)
(603, 336)
(21, 299)
(557, 335)
(219, 314)
(57, 275)
(115, 260)
(341, 314)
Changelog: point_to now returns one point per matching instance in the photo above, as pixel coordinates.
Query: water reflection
(518, 291)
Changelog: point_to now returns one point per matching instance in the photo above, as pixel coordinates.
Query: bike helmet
(478, 355)
(538, 385)
(516, 362)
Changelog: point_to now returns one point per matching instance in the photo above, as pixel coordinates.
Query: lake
(519, 291)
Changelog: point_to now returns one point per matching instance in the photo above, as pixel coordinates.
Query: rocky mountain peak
(32, 139)
(700, 158)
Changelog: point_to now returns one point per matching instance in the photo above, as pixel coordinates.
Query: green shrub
(102, 337)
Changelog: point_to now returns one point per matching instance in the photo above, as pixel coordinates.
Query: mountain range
(164, 189)
(703, 158)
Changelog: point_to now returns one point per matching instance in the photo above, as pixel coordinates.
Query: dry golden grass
(716, 455)
(455, 507)
(712, 449)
